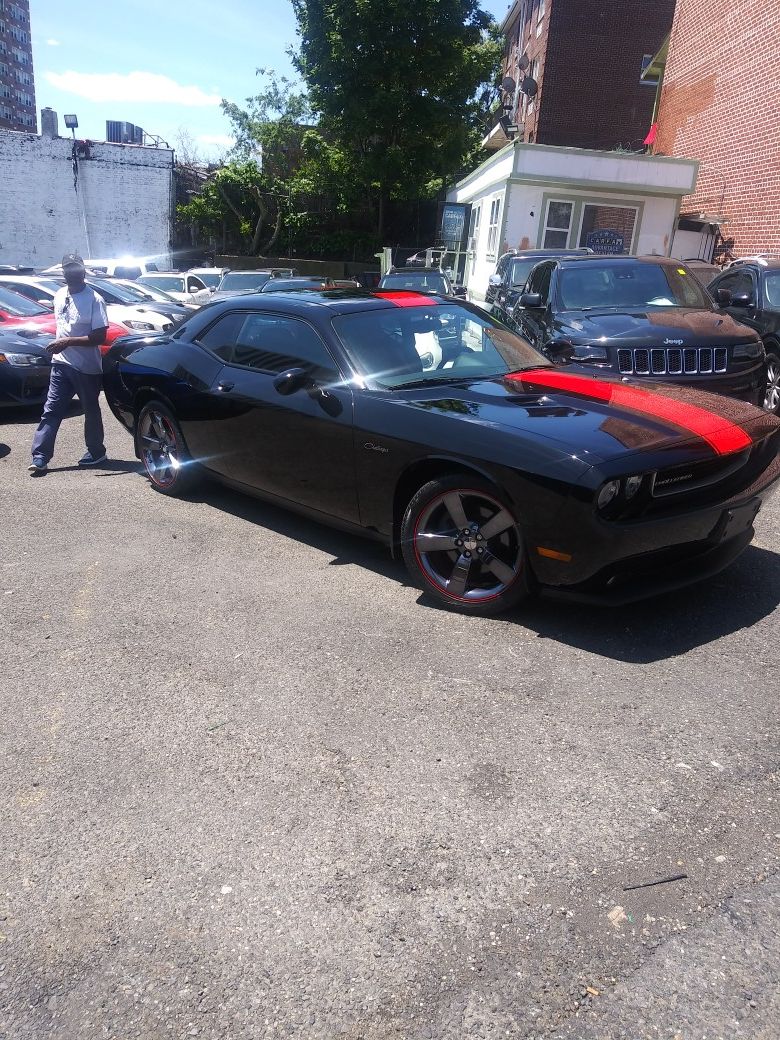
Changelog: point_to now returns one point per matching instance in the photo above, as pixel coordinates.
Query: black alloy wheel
(462, 542)
(772, 398)
(162, 450)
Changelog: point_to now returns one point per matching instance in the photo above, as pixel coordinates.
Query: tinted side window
(540, 282)
(274, 343)
(736, 282)
(220, 338)
(502, 266)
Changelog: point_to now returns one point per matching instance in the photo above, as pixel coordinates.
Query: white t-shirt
(78, 314)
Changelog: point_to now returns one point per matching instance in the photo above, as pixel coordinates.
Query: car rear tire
(772, 398)
(161, 448)
(463, 543)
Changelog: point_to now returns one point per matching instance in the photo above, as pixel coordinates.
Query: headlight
(139, 325)
(19, 359)
(748, 350)
(608, 493)
(588, 353)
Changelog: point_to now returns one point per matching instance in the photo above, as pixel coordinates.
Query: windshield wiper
(415, 384)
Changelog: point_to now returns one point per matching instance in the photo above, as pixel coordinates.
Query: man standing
(76, 367)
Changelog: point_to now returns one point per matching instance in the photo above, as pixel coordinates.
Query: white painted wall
(620, 169)
(126, 191)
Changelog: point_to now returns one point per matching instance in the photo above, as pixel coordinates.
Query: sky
(164, 65)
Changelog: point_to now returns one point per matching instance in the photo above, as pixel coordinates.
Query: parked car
(236, 282)
(151, 292)
(287, 284)
(122, 267)
(438, 255)
(421, 279)
(750, 293)
(16, 309)
(506, 283)
(640, 317)
(210, 276)
(497, 474)
(139, 312)
(121, 311)
(184, 288)
(24, 368)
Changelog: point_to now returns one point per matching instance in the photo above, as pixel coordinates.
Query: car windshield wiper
(415, 384)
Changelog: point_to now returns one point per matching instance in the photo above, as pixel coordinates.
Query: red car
(17, 311)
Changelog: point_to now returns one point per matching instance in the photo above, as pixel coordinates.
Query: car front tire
(772, 398)
(462, 542)
(161, 448)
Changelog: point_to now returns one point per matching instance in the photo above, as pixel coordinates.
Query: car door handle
(225, 387)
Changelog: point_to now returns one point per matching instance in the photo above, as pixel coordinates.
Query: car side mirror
(723, 297)
(742, 299)
(291, 381)
(561, 350)
(460, 291)
(531, 300)
(494, 281)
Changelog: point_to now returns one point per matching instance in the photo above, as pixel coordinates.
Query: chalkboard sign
(453, 224)
(605, 241)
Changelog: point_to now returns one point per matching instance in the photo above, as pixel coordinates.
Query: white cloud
(218, 140)
(138, 87)
(52, 43)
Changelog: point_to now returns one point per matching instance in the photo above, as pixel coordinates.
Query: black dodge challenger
(423, 422)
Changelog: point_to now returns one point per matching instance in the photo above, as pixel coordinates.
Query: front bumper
(624, 562)
(24, 385)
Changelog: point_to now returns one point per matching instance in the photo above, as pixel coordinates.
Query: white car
(184, 288)
(135, 317)
(212, 276)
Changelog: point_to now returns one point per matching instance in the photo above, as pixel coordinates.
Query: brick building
(720, 104)
(587, 59)
(17, 82)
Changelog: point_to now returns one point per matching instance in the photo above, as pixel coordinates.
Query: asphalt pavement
(254, 784)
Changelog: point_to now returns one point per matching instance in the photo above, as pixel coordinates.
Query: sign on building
(605, 241)
(454, 224)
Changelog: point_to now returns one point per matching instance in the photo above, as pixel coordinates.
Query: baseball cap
(72, 260)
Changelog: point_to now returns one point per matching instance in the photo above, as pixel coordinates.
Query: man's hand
(57, 345)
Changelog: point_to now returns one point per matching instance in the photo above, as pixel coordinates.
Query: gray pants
(65, 382)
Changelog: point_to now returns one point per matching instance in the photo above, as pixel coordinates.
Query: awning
(655, 69)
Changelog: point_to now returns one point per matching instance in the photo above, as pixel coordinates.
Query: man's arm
(94, 339)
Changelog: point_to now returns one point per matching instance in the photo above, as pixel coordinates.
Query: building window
(476, 213)
(651, 81)
(608, 229)
(495, 213)
(557, 224)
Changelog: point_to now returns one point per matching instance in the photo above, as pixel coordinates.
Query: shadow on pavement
(4, 450)
(668, 625)
(345, 547)
(109, 468)
(652, 630)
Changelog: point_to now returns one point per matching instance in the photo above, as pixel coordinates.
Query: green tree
(395, 84)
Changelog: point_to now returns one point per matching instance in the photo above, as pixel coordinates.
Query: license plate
(735, 521)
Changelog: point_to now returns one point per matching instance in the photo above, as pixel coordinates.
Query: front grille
(673, 361)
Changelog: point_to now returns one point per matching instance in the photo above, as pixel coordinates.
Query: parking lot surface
(255, 785)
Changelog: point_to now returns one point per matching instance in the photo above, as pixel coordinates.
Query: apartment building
(17, 81)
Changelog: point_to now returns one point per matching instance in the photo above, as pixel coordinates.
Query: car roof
(338, 300)
(617, 258)
(406, 271)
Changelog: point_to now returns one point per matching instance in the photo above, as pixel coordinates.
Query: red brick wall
(720, 104)
(593, 96)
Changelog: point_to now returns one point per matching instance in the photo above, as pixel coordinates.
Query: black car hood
(596, 419)
(657, 327)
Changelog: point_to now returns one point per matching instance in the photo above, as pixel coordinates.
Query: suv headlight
(144, 325)
(21, 360)
(746, 351)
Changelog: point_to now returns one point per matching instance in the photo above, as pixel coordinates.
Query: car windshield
(163, 282)
(19, 306)
(114, 289)
(404, 346)
(772, 289)
(147, 292)
(244, 280)
(592, 285)
(416, 281)
(209, 278)
(520, 269)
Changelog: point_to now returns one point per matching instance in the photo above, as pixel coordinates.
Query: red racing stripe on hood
(722, 435)
(405, 298)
